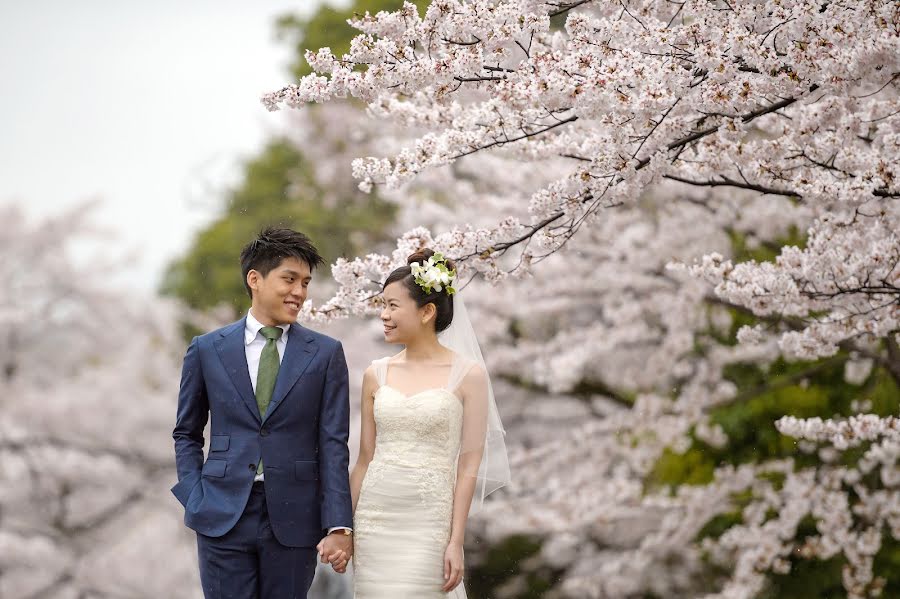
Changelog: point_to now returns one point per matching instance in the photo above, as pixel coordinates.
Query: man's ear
(253, 278)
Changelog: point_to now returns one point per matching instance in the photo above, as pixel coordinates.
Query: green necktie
(267, 373)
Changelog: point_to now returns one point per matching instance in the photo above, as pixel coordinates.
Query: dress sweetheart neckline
(408, 396)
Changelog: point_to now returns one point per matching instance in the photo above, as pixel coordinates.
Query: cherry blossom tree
(696, 93)
(89, 380)
(624, 151)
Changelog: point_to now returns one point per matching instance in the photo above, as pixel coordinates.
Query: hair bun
(420, 255)
(423, 254)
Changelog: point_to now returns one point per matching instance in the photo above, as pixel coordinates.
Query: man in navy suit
(274, 492)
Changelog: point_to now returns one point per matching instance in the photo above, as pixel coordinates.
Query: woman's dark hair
(442, 300)
(265, 253)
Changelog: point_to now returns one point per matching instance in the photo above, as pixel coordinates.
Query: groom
(273, 493)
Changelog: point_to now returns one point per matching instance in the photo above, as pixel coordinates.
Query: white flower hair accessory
(434, 274)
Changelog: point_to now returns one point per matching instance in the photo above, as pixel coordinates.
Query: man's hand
(336, 549)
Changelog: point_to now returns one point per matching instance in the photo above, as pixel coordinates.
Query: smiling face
(279, 295)
(402, 318)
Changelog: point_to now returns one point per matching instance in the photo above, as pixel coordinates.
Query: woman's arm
(475, 411)
(366, 434)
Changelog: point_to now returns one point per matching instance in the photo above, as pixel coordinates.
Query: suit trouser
(248, 562)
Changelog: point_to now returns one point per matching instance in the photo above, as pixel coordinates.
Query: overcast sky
(147, 105)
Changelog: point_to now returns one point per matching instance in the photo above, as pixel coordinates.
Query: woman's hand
(453, 566)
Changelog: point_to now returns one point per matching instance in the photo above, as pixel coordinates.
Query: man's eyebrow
(294, 273)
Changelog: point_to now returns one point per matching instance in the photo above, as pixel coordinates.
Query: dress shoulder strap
(381, 365)
(459, 370)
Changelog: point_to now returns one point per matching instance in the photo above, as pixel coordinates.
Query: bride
(431, 442)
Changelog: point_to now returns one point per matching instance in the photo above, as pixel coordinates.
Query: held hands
(453, 566)
(336, 549)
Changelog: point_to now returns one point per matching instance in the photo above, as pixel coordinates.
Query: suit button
(253, 467)
(264, 432)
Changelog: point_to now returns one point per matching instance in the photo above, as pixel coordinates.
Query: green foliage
(278, 189)
(694, 467)
(328, 27)
(808, 580)
(742, 250)
(800, 389)
(822, 579)
(503, 562)
(719, 524)
(887, 565)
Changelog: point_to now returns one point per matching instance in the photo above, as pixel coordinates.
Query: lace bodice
(422, 429)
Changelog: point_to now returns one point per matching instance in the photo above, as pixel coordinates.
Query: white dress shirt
(253, 346)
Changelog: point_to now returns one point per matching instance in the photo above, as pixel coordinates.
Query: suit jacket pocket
(306, 470)
(214, 468)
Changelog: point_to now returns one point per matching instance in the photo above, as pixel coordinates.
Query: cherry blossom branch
(564, 8)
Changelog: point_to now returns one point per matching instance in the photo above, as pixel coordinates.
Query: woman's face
(402, 318)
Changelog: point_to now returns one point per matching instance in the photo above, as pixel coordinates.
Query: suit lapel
(298, 354)
(231, 348)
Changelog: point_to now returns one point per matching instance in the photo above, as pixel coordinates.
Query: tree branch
(728, 182)
(508, 140)
(710, 130)
(564, 8)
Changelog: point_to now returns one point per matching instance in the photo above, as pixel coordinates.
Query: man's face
(278, 296)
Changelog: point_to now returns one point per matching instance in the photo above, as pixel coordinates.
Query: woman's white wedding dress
(404, 511)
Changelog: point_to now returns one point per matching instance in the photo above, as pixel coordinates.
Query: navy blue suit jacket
(302, 440)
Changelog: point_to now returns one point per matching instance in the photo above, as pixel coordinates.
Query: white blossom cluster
(842, 434)
(844, 284)
(851, 515)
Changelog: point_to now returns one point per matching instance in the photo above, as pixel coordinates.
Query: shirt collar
(251, 330)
